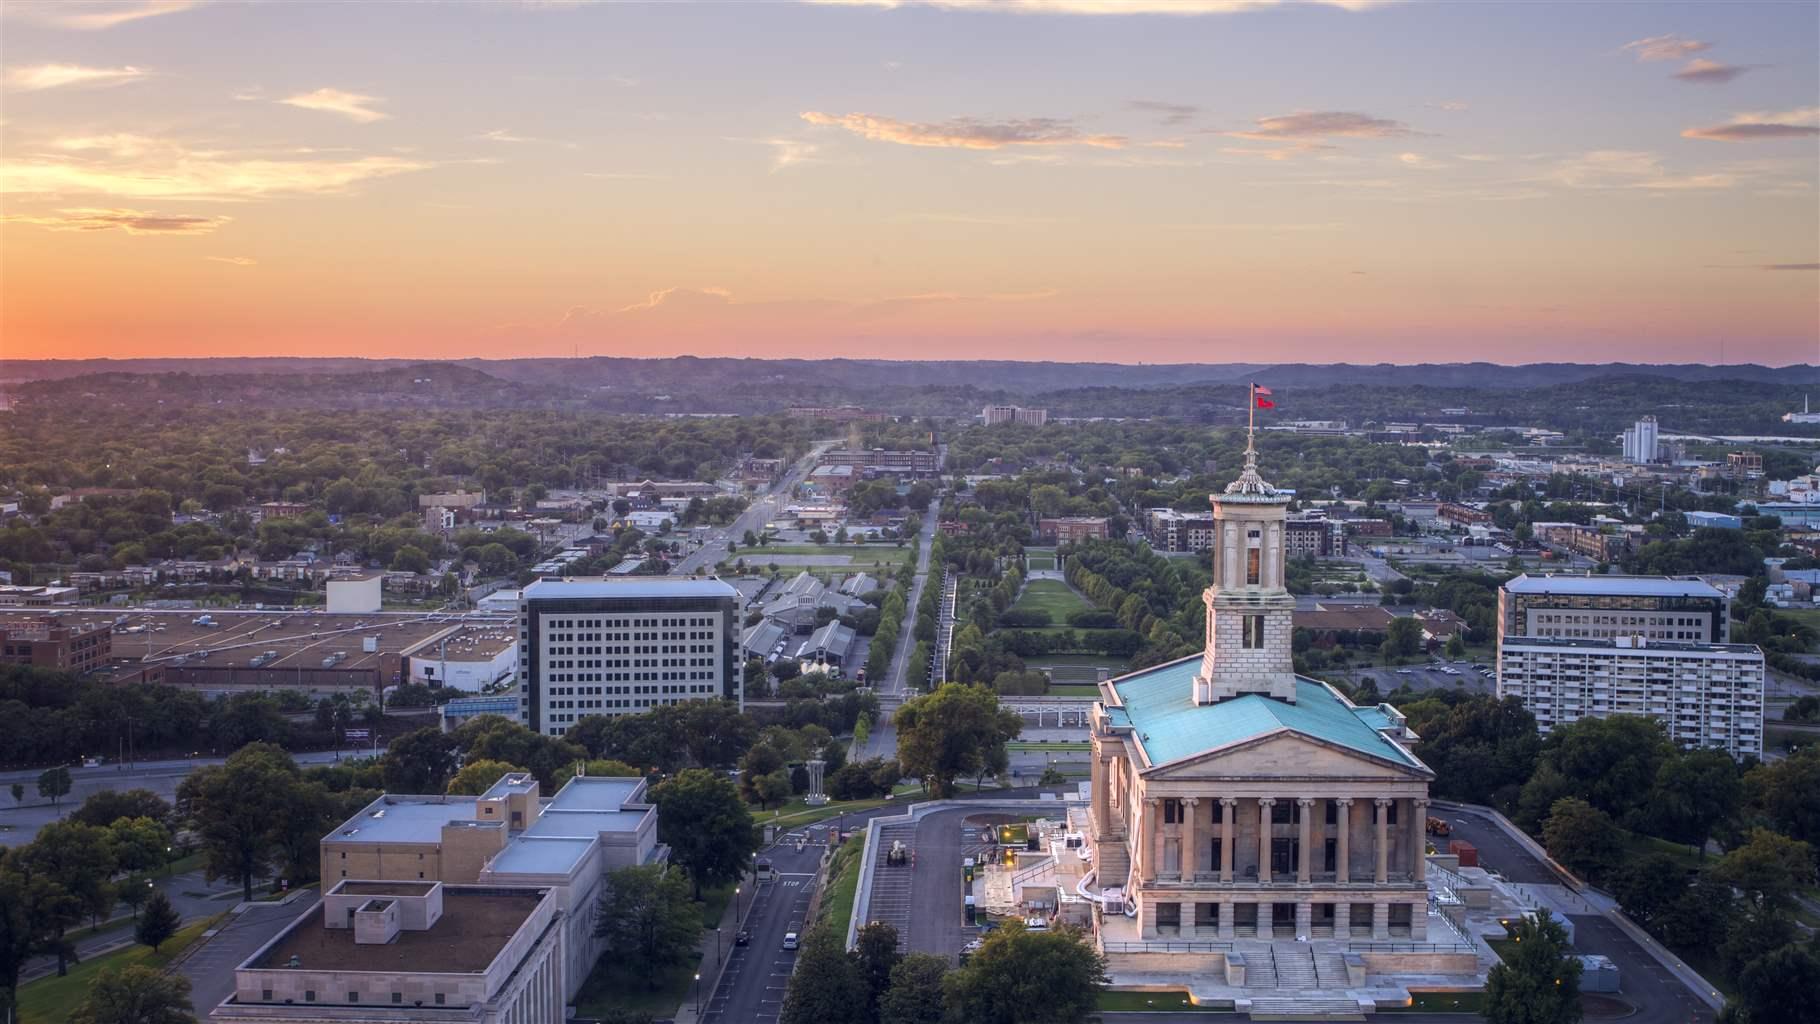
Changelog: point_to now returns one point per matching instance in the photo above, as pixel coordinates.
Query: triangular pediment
(1284, 753)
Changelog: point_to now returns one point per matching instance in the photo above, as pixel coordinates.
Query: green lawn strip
(609, 987)
(1052, 596)
(857, 552)
(1174, 1001)
(1685, 857)
(843, 882)
(1440, 1002)
(714, 904)
(1037, 746)
(1073, 690)
(53, 1000)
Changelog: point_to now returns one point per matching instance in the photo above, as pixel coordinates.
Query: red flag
(1261, 395)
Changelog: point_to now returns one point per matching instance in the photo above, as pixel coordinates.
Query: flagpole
(1251, 417)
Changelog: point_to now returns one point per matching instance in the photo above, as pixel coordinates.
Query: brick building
(46, 643)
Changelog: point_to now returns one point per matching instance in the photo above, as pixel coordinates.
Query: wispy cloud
(680, 296)
(334, 101)
(1104, 7)
(238, 261)
(788, 153)
(94, 16)
(1167, 113)
(55, 76)
(1630, 169)
(503, 135)
(1669, 47)
(1762, 125)
(1710, 72)
(1451, 106)
(1420, 162)
(1289, 152)
(133, 222)
(139, 167)
(1311, 124)
(967, 132)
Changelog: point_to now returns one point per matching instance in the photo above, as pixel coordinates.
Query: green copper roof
(1159, 705)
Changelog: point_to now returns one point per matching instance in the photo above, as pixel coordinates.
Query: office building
(622, 646)
(1704, 694)
(1640, 443)
(1608, 607)
(77, 647)
(1179, 531)
(1073, 529)
(875, 462)
(1235, 800)
(508, 836)
(376, 951)
(993, 415)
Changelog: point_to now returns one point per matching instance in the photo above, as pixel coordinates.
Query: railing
(1410, 947)
(1165, 946)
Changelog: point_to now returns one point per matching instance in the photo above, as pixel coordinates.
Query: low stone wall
(1166, 963)
(1433, 962)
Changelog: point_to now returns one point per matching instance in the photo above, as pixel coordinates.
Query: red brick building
(48, 644)
(1072, 529)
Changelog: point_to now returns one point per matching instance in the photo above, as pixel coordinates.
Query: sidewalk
(715, 950)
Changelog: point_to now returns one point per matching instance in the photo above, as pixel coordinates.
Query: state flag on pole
(1261, 395)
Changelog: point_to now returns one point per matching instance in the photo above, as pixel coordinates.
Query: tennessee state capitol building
(1233, 799)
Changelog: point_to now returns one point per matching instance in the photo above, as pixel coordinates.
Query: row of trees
(1016, 976)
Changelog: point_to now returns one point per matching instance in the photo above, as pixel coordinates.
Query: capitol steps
(1310, 1008)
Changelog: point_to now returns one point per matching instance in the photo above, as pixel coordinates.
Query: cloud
(1630, 169)
(1451, 106)
(1710, 72)
(1669, 47)
(1325, 124)
(1754, 127)
(133, 222)
(787, 153)
(1420, 162)
(1102, 7)
(1167, 113)
(967, 132)
(674, 297)
(334, 101)
(91, 17)
(238, 261)
(1289, 152)
(53, 76)
(502, 135)
(139, 167)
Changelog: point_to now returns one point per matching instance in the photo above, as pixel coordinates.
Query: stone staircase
(1295, 967)
(1330, 970)
(1111, 863)
(1305, 1008)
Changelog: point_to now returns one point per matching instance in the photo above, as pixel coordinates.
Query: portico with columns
(1233, 799)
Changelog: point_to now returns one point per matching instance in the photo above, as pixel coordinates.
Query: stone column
(1226, 920)
(1304, 920)
(1343, 873)
(1191, 854)
(1267, 919)
(1383, 843)
(1227, 827)
(1264, 806)
(1342, 920)
(1149, 822)
(1102, 798)
(1418, 921)
(1380, 921)
(1418, 829)
(1305, 862)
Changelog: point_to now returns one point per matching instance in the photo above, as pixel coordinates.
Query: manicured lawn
(1141, 1001)
(1074, 690)
(863, 553)
(610, 987)
(843, 882)
(1440, 1002)
(52, 1000)
(1685, 856)
(1040, 558)
(1052, 596)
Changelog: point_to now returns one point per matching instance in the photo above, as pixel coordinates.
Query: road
(210, 967)
(194, 897)
(1660, 998)
(906, 643)
(762, 510)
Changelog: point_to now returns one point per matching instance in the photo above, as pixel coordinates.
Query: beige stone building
(1233, 800)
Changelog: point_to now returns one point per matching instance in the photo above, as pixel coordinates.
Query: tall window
(1254, 632)
(1254, 558)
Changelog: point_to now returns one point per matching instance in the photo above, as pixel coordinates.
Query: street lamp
(736, 904)
(698, 993)
(717, 952)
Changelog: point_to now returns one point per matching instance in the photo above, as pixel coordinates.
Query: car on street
(790, 940)
(743, 938)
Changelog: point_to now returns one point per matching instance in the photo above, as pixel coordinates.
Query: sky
(1094, 180)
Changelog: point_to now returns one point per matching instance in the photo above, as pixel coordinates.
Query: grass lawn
(1052, 596)
(1685, 857)
(1806, 616)
(865, 553)
(1111, 1002)
(53, 1000)
(1074, 690)
(843, 882)
(1040, 558)
(714, 903)
(1440, 1002)
(1027, 746)
(611, 987)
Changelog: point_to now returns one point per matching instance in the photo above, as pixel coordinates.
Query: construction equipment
(899, 854)
(1439, 827)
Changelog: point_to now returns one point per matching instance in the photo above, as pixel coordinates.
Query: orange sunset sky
(1039, 179)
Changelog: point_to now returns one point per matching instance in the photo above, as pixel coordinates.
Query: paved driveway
(211, 967)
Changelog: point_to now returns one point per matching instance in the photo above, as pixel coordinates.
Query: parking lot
(1426, 676)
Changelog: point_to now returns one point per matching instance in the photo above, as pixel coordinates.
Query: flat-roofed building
(389, 951)
(1074, 529)
(507, 836)
(77, 647)
(1179, 531)
(1704, 694)
(622, 646)
(993, 415)
(1607, 607)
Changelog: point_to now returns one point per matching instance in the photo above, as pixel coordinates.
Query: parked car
(743, 938)
(790, 940)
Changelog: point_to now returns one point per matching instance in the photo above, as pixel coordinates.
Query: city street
(763, 509)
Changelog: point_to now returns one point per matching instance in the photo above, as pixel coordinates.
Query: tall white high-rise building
(1640, 443)
(622, 646)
